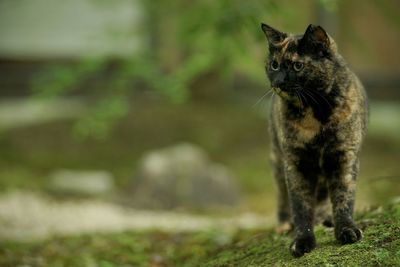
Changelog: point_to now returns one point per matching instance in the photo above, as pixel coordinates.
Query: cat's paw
(349, 234)
(302, 245)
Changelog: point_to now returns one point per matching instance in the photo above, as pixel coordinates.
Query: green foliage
(61, 79)
(329, 5)
(102, 117)
(185, 41)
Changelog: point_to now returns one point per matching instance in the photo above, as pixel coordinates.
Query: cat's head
(299, 63)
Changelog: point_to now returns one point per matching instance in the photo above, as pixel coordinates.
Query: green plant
(184, 41)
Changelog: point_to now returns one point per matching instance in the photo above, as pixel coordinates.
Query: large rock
(182, 176)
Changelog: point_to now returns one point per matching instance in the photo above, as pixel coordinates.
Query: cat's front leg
(301, 181)
(341, 169)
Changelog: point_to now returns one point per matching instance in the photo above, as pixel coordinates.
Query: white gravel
(29, 216)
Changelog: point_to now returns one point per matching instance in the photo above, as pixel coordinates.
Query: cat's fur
(317, 124)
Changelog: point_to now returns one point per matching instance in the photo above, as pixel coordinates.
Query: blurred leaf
(189, 39)
(101, 119)
(57, 80)
(329, 5)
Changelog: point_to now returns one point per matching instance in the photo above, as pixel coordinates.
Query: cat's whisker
(272, 96)
(312, 98)
(323, 98)
(261, 98)
(298, 96)
(305, 98)
(318, 96)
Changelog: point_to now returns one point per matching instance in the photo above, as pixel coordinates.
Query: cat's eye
(274, 65)
(297, 66)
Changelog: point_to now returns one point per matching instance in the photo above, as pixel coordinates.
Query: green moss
(379, 247)
(123, 249)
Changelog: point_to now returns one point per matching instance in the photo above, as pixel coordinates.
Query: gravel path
(29, 216)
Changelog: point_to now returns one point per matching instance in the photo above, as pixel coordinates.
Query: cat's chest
(303, 128)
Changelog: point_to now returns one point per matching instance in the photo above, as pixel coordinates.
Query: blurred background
(160, 105)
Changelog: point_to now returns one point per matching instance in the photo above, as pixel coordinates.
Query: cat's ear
(315, 40)
(273, 36)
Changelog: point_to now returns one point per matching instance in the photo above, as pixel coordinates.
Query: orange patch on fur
(284, 45)
(344, 112)
(308, 127)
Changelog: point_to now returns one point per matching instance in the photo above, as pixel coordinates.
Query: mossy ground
(379, 247)
(152, 248)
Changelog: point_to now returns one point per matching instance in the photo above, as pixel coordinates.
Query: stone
(82, 182)
(182, 176)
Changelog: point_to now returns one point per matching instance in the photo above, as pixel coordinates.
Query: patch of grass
(123, 249)
(379, 247)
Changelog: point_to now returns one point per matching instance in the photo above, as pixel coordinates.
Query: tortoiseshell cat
(317, 124)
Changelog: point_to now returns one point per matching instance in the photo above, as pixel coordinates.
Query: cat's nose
(278, 80)
(276, 84)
